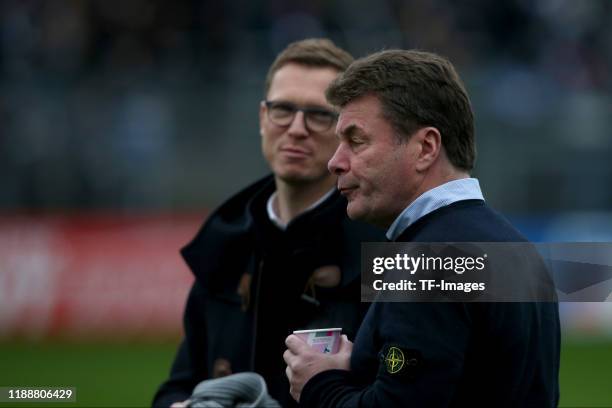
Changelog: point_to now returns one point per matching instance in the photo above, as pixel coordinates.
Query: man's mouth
(346, 191)
(296, 152)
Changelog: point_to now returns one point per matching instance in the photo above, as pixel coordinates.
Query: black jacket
(450, 354)
(252, 289)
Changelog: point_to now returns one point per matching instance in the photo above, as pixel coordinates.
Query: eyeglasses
(315, 119)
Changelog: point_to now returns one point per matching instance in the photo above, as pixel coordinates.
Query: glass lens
(319, 120)
(281, 114)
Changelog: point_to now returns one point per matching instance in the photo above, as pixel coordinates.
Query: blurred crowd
(112, 104)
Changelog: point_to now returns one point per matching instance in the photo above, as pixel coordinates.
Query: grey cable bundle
(244, 390)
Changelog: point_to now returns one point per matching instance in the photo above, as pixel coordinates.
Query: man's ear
(430, 141)
(262, 116)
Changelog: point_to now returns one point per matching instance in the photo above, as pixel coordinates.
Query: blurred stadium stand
(153, 105)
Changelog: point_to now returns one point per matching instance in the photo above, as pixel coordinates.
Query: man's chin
(296, 179)
(300, 177)
(354, 212)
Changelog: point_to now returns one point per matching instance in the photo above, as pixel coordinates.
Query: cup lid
(317, 330)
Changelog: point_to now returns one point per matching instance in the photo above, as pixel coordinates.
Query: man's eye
(282, 110)
(323, 115)
(355, 142)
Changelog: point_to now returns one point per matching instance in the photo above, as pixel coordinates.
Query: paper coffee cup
(326, 341)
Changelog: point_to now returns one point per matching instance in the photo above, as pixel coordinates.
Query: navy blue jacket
(454, 354)
(251, 289)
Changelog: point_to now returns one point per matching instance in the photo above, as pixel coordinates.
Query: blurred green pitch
(127, 374)
(105, 374)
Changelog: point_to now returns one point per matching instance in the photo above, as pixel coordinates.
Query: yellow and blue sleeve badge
(394, 360)
(399, 361)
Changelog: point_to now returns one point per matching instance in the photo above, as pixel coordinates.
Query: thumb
(346, 346)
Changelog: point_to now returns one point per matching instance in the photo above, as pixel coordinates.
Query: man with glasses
(281, 254)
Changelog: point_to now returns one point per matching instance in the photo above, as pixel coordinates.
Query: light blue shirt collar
(441, 196)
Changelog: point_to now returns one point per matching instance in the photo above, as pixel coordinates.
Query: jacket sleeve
(431, 338)
(190, 362)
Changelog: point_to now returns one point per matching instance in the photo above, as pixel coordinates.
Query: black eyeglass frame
(307, 111)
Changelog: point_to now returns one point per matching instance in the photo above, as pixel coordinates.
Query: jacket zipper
(255, 300)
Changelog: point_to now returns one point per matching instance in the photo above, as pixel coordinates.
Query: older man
(406, 150)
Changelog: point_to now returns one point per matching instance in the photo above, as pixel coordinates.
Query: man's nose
(338, 164)
(298, 125)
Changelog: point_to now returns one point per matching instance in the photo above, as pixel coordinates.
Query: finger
(294, 394)
(295, 344)
(288, 356)
(289, 373)
(346, 346)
